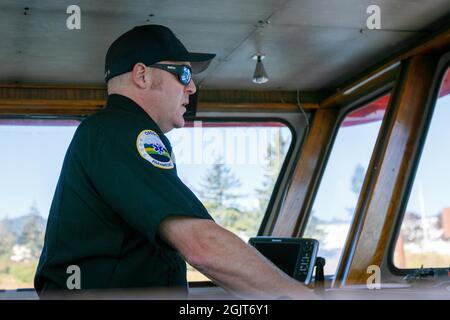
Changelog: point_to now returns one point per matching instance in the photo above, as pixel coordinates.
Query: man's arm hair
(227, 260)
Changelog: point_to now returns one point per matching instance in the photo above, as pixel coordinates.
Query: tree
(7, 240)
(238, 221)
(413, 228)
(276, 151)
(357, 181)
(218, 193)
(34, 211)
(32, 235)
(313, 229)
(217, 187)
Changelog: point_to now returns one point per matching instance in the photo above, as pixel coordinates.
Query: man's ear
(140, 76)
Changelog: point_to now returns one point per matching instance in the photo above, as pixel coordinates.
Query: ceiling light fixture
(260, 76)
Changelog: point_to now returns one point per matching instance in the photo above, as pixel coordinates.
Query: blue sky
(32, 156)
(30, 163)
(246, 157)
(433, 174)
(354, 145)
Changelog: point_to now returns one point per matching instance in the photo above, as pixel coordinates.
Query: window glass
(32, 153)
(424, 237)
(232, 167)
(334, 206)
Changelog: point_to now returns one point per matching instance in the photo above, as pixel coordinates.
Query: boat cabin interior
(320, 126)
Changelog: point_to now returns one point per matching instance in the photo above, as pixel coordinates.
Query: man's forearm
(242, 270)
(227, 260)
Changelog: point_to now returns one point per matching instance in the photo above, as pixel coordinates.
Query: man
(120, 214)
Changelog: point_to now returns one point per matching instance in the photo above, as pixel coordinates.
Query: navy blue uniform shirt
(117, 183)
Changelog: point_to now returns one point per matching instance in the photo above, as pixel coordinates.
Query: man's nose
(191, 88)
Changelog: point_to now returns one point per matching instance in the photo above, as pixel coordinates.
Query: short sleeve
(142, 192)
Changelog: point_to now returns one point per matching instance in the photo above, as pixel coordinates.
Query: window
(424, 237)
(334, 206)
(32, 153)
(232, 167)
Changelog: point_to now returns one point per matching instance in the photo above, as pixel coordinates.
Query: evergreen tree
(357, 181)
(313, 229)
(218, 194)
(275, 154)
(34, 211)
(7, 239)
(217, 187)
(32, 235)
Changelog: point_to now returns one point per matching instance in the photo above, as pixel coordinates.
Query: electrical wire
(303, 111)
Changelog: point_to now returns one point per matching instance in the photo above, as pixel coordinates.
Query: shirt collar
(118, 101)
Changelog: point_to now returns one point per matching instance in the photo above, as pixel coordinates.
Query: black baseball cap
(150, 44)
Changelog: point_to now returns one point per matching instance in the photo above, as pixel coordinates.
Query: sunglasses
(182, 72)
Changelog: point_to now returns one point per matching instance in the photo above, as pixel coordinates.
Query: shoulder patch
(152, 149)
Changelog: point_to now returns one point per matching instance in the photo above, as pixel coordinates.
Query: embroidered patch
(152, 149)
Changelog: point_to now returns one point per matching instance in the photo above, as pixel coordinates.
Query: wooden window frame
(389, 169)
(388, 262)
